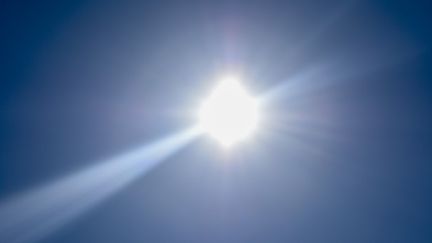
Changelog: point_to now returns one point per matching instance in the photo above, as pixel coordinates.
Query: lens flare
(34, 215)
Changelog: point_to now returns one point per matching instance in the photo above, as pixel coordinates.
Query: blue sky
(344, 154)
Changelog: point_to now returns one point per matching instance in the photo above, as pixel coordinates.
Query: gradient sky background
(345, 154)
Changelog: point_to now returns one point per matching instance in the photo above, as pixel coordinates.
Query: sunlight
(230, 114)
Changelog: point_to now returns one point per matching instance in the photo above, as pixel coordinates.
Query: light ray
(308, 80)
(34, 215)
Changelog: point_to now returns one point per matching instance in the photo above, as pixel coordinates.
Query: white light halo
(230, 113)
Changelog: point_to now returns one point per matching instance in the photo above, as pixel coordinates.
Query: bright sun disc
(229, 114)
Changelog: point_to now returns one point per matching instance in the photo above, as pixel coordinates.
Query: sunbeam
(37, 213)
(305, 81)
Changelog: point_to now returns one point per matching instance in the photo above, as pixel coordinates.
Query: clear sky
(345, 153)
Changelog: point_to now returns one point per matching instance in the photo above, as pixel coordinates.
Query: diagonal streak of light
(34, 215)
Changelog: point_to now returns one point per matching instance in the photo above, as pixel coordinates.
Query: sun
(230, 113)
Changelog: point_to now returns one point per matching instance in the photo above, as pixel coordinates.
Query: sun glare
(229, 114)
